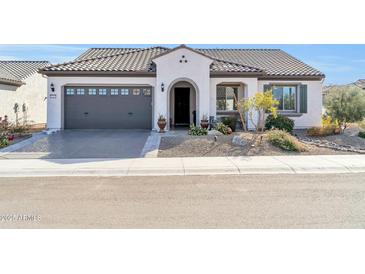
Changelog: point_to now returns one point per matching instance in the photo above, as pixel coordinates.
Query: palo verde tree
(259, 105)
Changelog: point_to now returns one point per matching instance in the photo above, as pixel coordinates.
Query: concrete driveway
(76, 144)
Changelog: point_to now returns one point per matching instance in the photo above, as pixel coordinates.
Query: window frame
(124, 91)
(92, 91)
(296, 100)
(80, 91)
(101, 91)
(234, 105)
(70, 93)
(114, 91)
(135, 90)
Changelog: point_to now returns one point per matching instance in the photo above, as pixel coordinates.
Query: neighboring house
(131, 87)
(23, 91)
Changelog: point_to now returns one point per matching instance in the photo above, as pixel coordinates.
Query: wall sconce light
(162, 87)
(52, 87)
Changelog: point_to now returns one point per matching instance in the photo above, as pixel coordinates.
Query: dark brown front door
(182, 106)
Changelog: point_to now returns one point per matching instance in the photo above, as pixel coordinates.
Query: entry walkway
(183, 166)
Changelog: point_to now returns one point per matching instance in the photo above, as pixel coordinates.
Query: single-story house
(130, 87)
(23, 91)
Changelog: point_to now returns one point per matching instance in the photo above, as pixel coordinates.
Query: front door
(182, 106)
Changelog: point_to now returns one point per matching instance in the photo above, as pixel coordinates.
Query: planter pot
(204, 124)
(161, 124)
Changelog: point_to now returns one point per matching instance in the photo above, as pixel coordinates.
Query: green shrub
(230, 121)
(285, 141)
(197, 131)
(4, 142)
(362, 134)
(222, 128)
(280, 122)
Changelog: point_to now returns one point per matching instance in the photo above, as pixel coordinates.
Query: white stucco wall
(55, 105)
(170, 71)
(33, 94)
(314, 104)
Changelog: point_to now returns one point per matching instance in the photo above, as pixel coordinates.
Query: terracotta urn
(161, 124)
(204, 124)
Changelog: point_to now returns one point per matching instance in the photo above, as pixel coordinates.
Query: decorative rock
(214, 132)
(331, 145)
(237, 140)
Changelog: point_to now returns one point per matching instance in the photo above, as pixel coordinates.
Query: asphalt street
(227, 201)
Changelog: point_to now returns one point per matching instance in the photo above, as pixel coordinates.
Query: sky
(341, 64)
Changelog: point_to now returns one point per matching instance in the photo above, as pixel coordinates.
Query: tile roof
(268, 62)
(274, 62)
(139, 60)
(16, 71)
(104, 52)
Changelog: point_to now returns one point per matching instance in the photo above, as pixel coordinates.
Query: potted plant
(204, 122)
(161, 122)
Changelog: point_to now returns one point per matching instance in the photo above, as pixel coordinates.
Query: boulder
(237, 140)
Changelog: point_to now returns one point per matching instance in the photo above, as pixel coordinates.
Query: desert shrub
(279, 122)
(285, 141)
(222, 128)
(320, 131)
(230, 121)
(4, 141)
(329, 127)
(362, 134)
(197, 131)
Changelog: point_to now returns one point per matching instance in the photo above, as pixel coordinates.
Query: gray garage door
(108, 107)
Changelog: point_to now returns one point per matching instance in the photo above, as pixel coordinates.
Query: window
(102, 91)
(70, 91)
(80, 91)
(124, 91)
(92, 91)
(114, 91)
(147, 92)
(287, 97)
(136, 91)
(225, 98)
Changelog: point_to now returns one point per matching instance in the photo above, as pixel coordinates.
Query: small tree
(240, 105)
(260, 104)
(346, 105)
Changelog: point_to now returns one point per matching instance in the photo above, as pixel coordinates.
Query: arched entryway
(182, 103)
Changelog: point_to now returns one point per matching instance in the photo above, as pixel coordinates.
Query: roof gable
(181, 47)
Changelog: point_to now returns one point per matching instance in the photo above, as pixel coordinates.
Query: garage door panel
(108, 111)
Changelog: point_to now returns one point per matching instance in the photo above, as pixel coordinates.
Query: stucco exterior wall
(33, 94)
(170, 71)
(55, 101)
(314, 104)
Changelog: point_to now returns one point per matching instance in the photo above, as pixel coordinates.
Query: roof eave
(293, 77)
(11, 82)
(215, 74)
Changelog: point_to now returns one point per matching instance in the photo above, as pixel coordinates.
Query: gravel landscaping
(348, 141)
(209, 146)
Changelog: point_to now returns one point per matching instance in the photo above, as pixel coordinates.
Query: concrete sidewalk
(183, 166)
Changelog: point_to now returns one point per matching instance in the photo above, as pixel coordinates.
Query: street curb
(322, 164)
